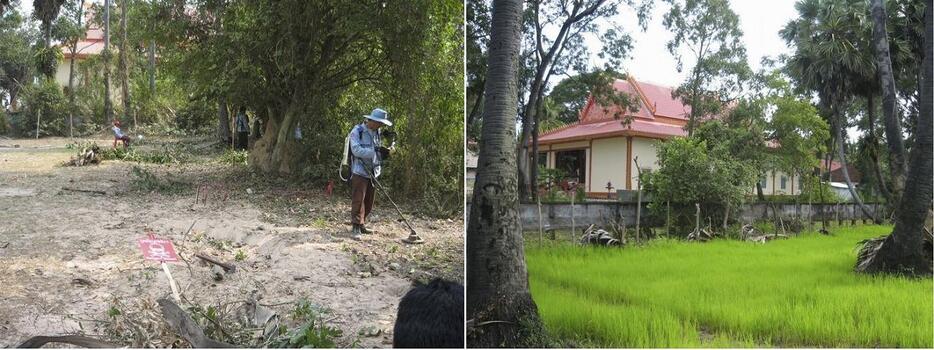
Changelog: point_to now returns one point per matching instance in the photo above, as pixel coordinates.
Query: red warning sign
(156, 249)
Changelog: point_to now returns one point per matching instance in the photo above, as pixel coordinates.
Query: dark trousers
(242, 139)
(361, 199)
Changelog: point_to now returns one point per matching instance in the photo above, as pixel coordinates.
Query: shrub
(43, 102)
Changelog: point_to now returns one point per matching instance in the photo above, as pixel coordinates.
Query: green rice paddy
(800, 292)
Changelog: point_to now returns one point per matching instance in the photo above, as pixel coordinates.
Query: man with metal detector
(366, 155)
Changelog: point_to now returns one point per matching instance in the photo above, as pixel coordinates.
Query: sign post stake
(161, 251)
(165, 267)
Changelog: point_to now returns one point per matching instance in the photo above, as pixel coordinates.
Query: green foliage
(710, 29)
(570, 95)
(234, 157)
(46, 101)
(811, 191)
(240, 256)
(166, 154)
(313, 331)
(727, 293)
(692, 172)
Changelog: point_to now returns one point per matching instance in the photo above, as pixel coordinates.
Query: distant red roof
(658, 115)
(93, 42)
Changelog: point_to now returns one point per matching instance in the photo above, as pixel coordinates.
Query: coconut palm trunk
(124, 67)
(500, 309)
(108, 104)
(904, 251)
(71, 74)
(846, 175)
(893, 129)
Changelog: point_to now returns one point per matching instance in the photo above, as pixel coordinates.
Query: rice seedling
(800, 292)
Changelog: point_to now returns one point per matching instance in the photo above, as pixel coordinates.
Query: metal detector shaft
(383, 191)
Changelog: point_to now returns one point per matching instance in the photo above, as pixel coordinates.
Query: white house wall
(609, 163)
(644, 149)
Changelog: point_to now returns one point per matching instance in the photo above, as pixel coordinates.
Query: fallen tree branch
(87, 342)
(228, 268)
(182, 324)
(102, 193)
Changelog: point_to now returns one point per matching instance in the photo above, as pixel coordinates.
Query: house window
(573, 163)
(784, 181)
(763, 180)
(543, 159)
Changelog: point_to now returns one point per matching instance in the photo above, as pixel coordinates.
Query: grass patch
(145, 181)
(234, 157)
(790, 293)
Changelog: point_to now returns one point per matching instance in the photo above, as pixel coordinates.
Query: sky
(650, 61)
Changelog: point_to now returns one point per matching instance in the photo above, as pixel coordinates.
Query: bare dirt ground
(67, 257)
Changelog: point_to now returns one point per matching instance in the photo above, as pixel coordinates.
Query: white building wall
(609, 163)
(773, 184)
(644, 149)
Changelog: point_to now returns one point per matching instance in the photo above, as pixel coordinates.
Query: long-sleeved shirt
(242, 124)
(117, 132)
(363, 144)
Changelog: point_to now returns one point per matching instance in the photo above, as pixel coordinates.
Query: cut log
(87, 342)
(102, 193)
(186, 327)
(228, 268)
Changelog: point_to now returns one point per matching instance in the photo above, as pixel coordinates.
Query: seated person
(118, 135)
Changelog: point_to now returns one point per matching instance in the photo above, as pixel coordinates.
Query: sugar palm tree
(500, 309)
(831, 59)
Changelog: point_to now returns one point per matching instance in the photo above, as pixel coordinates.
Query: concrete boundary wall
(559, 215)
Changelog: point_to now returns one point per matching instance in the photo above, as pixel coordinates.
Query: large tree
(124, 66)
(830, 42)
(46, 11)
(709, 30)
(893, 129)
(500, 309)
(904, 250)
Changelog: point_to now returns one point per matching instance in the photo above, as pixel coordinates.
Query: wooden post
(541, 236)
(172, 284)
(667, 218)
(38, 116)
(635, 160)
(573, 224)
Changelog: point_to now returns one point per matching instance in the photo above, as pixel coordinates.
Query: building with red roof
(601, 150)
(92, 44)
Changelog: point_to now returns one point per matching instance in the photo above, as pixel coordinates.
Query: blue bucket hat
(379, 115)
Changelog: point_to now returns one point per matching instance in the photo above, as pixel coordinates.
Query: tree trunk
(904, 250)
(759, 193)
(533, 167)
(893, 129)
(499, 304)
(223, 122)
(124, 67)
(522, 158)
(108, 104)
(71, 75)
(476, 106)
(846, 174)
(873, 145)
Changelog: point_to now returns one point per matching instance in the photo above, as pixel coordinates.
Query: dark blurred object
(383, 153)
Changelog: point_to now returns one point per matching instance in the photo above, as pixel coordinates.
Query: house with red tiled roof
(92, 44)
(602, 149)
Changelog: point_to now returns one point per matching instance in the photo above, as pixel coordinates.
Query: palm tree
(500, 309)
(893, 129)
(830, 38)
(904, 251)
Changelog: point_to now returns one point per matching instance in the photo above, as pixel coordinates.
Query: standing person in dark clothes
(243, 128)
(368, 154)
